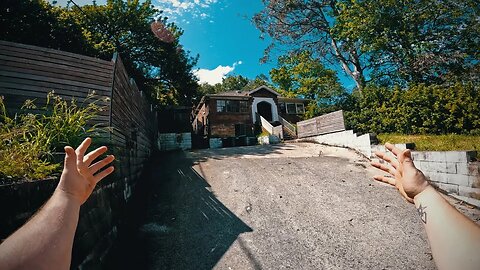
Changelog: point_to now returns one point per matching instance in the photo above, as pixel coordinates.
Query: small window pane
(221, 106)
(243, 106)
(300, 108)
(291, 109)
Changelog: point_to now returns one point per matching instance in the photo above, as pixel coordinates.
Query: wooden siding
(327, 123)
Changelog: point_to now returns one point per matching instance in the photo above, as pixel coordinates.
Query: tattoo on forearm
(422, 213)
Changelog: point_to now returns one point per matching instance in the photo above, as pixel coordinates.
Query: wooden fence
(327, 123)
(30, 72)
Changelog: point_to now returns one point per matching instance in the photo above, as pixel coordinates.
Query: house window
(234, 106)
(291, 108)
(221, 106)
(295, 108)
(300, 108)
(243, 106)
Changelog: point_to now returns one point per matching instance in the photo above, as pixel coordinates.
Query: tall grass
(28, 140)
(448, 142)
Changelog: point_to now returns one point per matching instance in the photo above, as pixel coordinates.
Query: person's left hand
(80, 176)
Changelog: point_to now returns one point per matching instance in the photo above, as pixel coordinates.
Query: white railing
(288, 125)
(277, 131)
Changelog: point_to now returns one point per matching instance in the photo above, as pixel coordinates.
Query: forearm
(454, 239)
(46, 240)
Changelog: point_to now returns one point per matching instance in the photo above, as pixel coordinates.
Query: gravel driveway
(290, 206)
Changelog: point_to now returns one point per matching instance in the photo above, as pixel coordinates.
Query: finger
(99, 176)
(385, 179)
(90, 157)
(392, 148)
(70, 157)
(100, 164)
(383, 167)
(81, 150)
(388, 158)
(406, 160)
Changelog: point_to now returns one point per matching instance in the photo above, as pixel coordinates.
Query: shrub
(28, 140)
(420, 109)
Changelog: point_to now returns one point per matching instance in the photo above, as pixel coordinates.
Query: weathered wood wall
(30, 72)
(327, 123)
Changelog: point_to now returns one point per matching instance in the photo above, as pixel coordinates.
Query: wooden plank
(99, 77)
(51, 79)
(5, 45)
(58, 75)
(39, 86)
(46, 58)
(35, 91)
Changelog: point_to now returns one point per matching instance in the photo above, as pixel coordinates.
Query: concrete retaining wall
(454, 172)
(347, 139)
(174, 141)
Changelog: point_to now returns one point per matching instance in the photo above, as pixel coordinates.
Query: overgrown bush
(28, 140)
(420, 109)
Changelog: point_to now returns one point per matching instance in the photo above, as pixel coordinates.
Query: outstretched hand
(402, 173)
(80, 176)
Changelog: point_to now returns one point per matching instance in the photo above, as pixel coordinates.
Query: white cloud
(214, 76)
(174, 8)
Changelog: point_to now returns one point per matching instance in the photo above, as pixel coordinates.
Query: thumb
(70, 157)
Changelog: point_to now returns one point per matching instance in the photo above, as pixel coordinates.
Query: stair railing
(277, 131)
(288, 125)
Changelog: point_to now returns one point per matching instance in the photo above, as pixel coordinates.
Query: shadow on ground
(175, 221)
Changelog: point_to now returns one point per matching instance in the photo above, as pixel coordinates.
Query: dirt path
(292, 206)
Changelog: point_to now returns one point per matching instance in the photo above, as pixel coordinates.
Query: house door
(265, 110)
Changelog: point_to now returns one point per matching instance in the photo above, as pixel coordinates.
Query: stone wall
(174, 141)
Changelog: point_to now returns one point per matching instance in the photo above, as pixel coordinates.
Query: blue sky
(222, 33)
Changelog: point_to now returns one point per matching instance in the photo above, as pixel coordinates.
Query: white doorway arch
(257, 100)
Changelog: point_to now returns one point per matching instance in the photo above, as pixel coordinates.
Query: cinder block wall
(452, 171)
(174, 141)
(455, 172)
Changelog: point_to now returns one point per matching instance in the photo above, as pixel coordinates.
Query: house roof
(236, 93)
(263, 87)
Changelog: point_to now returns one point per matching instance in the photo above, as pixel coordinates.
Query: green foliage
(298, 25)
(413, 41)
(448, 142)
(420, 109)
(28, 140)
(300, 75)
(164, 70)
(234, 83)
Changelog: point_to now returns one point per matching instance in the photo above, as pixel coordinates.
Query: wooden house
(238, 113)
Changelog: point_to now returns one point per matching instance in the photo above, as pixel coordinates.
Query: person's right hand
(79, 175)
(403, 174)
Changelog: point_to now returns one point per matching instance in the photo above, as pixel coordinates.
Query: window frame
(231, 106)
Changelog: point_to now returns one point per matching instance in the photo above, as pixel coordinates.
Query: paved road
(293, 206)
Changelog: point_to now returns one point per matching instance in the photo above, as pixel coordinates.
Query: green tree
(165, 69)
(300, 75)
(308, 26)
(413, 41)
(38, 23)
